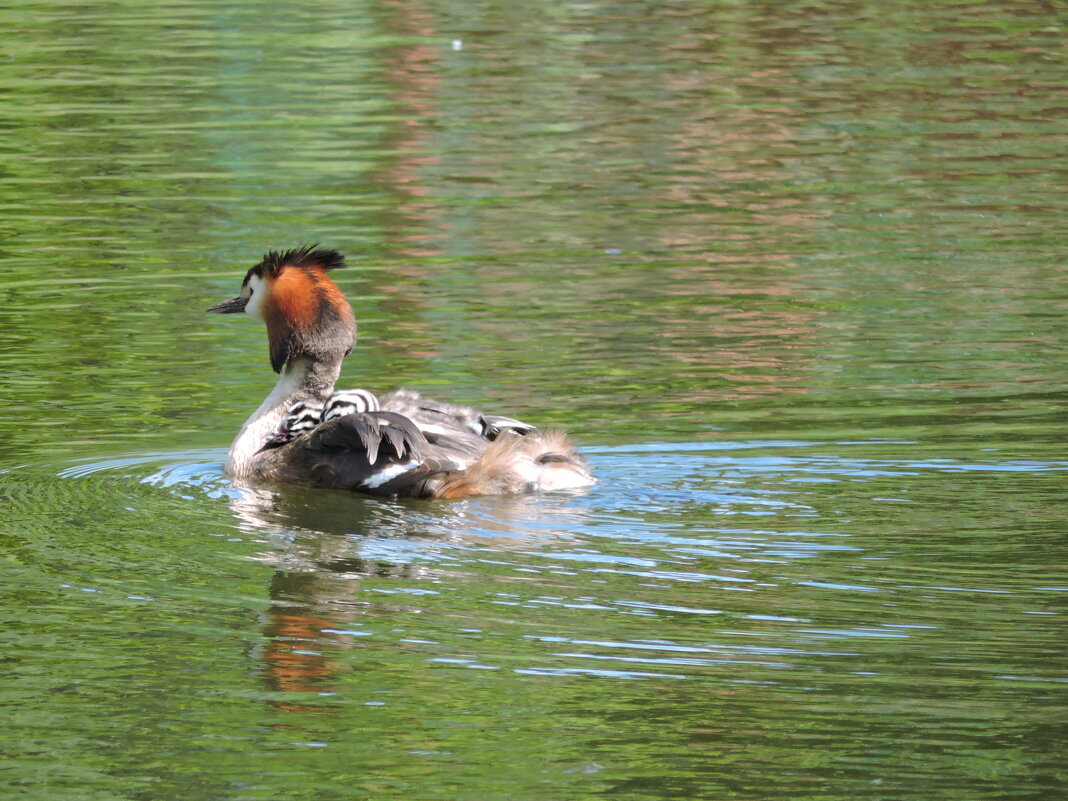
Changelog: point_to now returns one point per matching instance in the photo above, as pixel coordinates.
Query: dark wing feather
(344, 452)
(397, 439)
(369, 432)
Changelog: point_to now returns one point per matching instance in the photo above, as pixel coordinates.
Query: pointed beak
(232, 306)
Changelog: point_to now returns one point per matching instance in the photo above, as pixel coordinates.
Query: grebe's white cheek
(258, 289)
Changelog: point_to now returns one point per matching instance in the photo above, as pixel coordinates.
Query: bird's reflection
(324, 544)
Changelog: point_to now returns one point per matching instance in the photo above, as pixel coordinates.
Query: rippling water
(793, 276)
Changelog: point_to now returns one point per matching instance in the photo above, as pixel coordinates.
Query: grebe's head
(307, 317)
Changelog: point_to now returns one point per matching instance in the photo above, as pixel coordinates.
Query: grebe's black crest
(305, 256)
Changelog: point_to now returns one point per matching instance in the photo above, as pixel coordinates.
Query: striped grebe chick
(304, 415)
(397, 444)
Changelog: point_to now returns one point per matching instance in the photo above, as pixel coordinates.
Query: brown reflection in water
(297, 639)
(313, 590)
(413, 72)
(314, 619)
(728, 161)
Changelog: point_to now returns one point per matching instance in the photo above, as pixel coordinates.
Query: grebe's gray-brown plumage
(398, 444)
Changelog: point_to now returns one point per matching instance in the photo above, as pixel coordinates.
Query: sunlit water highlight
(724, 567)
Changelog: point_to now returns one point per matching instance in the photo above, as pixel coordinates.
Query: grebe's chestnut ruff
(398, 444)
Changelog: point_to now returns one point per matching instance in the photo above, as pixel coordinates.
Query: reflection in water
(709, 290)
(699, 582)
(496, 521)
(318, 539)
(291, 633)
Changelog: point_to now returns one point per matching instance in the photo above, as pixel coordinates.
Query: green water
(792, 274)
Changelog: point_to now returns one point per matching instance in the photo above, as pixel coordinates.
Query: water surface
(793, 277)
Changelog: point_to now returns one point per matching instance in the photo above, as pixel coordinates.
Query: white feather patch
(258, 289)
(388, 474)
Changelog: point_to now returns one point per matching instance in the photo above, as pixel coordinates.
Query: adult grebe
(399, 444)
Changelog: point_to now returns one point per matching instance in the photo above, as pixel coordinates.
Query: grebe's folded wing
(370, 434)
(364, 452)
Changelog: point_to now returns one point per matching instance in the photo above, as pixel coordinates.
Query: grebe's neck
(301, 379)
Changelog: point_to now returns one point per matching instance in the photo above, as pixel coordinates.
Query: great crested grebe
(399, 444)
